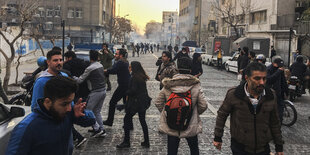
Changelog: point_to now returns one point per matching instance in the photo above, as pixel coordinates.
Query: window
(70, 13)
(256, 45)
(48, 25)
(57, 11)
(78, 13)
(41, 12)
(259, 17)
(49, 12)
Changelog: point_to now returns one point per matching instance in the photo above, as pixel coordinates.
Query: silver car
(10, 116)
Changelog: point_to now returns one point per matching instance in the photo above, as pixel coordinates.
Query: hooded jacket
(38, 88)
(181, 83)
(39, 133)
(167, 71)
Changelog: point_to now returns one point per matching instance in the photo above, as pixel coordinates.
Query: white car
(231, 65)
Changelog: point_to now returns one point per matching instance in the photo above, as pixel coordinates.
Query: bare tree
(23, 13)
(119, 28)
(233, 13)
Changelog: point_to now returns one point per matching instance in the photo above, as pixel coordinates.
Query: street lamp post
(171, 20)
(63, 38)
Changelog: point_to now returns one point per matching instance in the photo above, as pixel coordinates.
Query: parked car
(84, 55)
(231, 64)
(207, 59)
(10, 116)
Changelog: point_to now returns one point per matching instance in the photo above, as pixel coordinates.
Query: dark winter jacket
(120, 68)
(243, 61)
(180, 55)
(252, 130)
(137, 92)
(39, 133)
(76, 67)
(298, 69)
(277, 81)
(196, 68)
(167, 71)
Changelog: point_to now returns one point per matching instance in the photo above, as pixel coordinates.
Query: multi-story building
(264, 20)
(196, 20)
(170, 24)
(85, 21)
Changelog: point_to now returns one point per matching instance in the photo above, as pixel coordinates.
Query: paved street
(215, 84)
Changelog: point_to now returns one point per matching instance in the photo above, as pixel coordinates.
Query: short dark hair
(52, 53)
(59, 87)
(184, 65)
(168, 54)
(254, 66)
(105, 44)
(93, 55)
(122, 52)
(56, 48)
(70, 54)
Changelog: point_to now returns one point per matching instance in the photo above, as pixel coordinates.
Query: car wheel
(227, 67)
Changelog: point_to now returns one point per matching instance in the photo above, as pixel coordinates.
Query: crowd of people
(74, 91)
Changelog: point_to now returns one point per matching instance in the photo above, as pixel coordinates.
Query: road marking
(155, 56)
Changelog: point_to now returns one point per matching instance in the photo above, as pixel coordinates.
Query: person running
(138, 102)
(182, 83)
(254, 120)
(123, 76)
(47, 130)
(94, 75)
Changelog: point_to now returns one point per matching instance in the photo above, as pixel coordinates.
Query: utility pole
(199, 28)
(63, 38)
(171, 20)
(289, 48)
(111, 20)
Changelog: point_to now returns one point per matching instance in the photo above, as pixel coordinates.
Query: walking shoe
(108, 123)
(91, 130)
(80, 142)
(123, 145)
(120, 107)
(145, 144)
(99, 133)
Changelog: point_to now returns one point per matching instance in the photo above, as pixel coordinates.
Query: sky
(141, 12)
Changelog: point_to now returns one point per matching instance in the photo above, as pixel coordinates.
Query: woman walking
(138, 101)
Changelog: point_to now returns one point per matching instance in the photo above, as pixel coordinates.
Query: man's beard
(258, 89)
(56, 115)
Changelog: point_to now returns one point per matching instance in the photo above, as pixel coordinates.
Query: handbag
(138, 103)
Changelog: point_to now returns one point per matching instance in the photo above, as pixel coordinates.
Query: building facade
(170, 23)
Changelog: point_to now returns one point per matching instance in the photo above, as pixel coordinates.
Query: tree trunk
(7, 74)
(37, 40)
(17, 66)
(236, 31)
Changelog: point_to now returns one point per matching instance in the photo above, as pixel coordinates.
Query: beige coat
(181, 83)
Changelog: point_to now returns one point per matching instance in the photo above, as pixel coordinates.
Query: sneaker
(145, 144)
(91, 130)
(123, 145)
(99, 133)
(80, 142)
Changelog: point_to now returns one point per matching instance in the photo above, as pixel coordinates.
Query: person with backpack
(180, 102)
(138, 101)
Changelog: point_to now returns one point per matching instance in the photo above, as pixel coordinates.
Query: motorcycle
(295, 87)
(289, 114)
(24, 98)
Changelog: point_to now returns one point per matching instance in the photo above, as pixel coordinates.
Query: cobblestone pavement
(215, 84)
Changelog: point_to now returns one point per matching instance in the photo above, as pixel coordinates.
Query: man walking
(167, 68)
(254, 120)
(182, 83)
(106, 57)
(47, 130)
(120, 68)
(94, 75)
